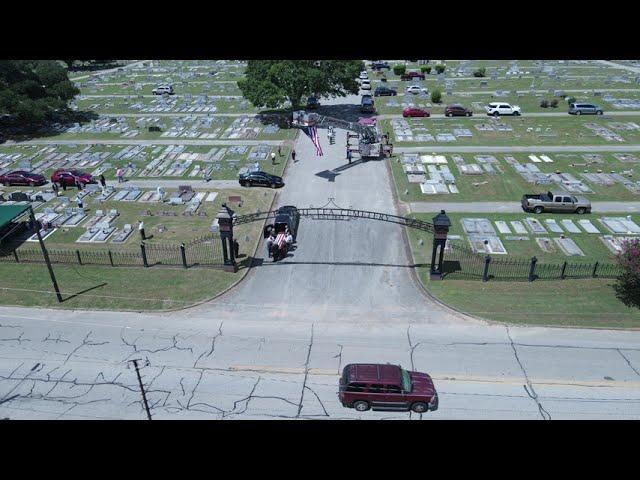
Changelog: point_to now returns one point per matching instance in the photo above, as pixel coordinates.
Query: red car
(20, 177)
(412, 75)
(69, 177)
(386, 387)
(415, 112)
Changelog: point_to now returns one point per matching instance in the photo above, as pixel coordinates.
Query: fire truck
(370, 143)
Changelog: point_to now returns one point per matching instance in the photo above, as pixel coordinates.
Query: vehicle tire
(32, 184)
(517, 114)
(361, 406)
(419, 407)
(496, 114)
(538, 210)
(449, 114)
(599, 112)
(578, 112)
(273, 185)
(468, 114)
(6, 184)
(580, 211)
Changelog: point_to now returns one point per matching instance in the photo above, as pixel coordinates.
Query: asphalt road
(126, 141)
(61, 365)
(518, 148)
(512, 207)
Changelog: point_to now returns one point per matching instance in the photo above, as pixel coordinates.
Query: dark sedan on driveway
(261, 179)
(20, 177)
(457, 110)
(384, 92)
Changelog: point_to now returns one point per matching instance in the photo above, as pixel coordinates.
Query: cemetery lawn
(589, 303)
(108, 288)
(569, 130)
(590, 243)
(510, 186)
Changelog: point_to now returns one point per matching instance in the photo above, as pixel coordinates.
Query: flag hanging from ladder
(312, 133)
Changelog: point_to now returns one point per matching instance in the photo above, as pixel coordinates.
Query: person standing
(279, 150)
(273, 158)
(293, 155)
(78, 184)
(141, 230)
(64, 185)
(119, 174)
(103, 182)
(349, 155)
(269, 243)
(55, 188)
(79, 202)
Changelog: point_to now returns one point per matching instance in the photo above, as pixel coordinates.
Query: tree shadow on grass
(77, 294)
(55, 125)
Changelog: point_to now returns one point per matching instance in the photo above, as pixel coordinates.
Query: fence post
(111, 258)
(564, 267)
(15, 254)
(532, 268)
(184, 255)
(144, 255)
(485, 273)
(595, 267)
(79, 258)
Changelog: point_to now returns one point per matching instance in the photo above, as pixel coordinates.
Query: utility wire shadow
(77, 294)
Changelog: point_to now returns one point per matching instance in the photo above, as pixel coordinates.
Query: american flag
(312, 132)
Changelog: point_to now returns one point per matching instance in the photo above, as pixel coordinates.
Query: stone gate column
(441, 224)
(225, 224)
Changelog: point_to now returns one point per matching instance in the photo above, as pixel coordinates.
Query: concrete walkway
(198, 184)
(512, 207)
(619, 65)
(484, 116)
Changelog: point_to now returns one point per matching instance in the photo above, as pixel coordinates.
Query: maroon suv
(386, 387)
(412, 75)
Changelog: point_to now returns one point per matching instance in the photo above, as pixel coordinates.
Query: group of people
(271, 241)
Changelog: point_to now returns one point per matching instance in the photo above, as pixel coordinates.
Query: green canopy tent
(8, 213)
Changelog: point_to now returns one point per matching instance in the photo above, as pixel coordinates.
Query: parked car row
(61, 176)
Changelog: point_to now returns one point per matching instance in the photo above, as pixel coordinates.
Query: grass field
(109, 288)
(569, 130)
(510, 186)
(589, 303)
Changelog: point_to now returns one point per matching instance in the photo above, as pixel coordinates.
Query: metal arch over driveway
(324, 213)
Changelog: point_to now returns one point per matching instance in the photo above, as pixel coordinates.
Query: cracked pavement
(200, 368)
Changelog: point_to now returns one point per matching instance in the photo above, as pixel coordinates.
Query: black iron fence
(462, 263)
(204, 251)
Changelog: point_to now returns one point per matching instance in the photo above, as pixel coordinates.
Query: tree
(571, 99)
(440, 68)
(436, 96)
(273, 83)
(627, 287)
(399, 69)
(34, 91)
(481, 72)
(553, 103)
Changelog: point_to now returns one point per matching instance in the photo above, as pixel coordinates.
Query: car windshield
(406, 380)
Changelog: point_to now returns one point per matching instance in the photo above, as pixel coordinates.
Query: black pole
(45, 254)
(485, 273)
(144, 395)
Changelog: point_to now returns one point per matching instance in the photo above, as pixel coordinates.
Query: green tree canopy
(273, 83)
(31, 91)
